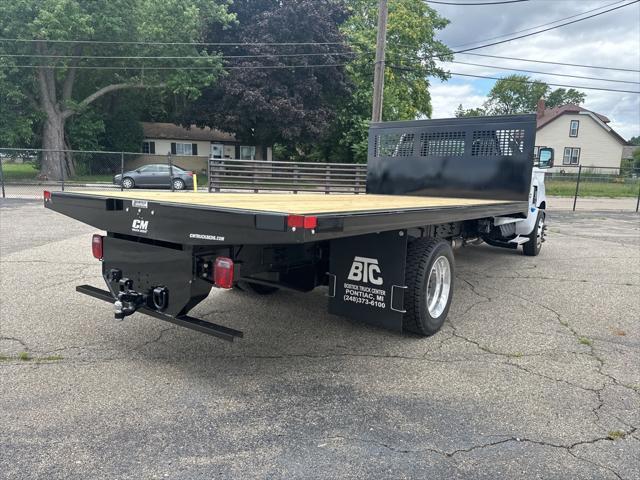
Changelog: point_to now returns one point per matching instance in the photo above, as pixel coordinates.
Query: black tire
(536, 237)
(421, 256)
(257, 288)
(128, 182)
(178, 184)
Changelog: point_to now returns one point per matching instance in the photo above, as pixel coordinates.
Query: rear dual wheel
(429, 279)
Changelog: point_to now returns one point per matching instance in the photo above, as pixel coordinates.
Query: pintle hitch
(128, 300)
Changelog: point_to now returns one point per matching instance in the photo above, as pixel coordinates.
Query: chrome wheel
(127, 183)
(438, 286)
(178, 184)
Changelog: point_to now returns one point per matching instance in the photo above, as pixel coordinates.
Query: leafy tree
(634, 141)
(59, 90)
(279, 104)
(17, 120)
(560, 97)
(411, 53)
(469, 112)
(515, 94)
(122, 128)
(520, 94)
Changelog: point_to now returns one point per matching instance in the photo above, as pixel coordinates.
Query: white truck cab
(528, 232)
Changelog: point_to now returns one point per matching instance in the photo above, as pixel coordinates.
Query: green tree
(269, 105)
(520, 94)
(560, 97)
(515, 94)
(17, 119)
(634, 140)
(469, 112)
(411, 53)
(58, 89)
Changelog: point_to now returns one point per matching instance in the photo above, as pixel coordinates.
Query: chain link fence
(577, 181)
(25, 173)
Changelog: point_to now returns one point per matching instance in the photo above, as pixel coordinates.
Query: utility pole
(378, 73)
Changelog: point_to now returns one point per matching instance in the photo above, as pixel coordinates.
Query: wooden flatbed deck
(300, 204)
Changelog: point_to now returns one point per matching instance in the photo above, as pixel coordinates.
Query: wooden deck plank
(298, 204)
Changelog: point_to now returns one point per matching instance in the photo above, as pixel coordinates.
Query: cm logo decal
(140, 226)
(365, 270)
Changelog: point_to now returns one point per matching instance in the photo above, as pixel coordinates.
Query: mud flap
(366, 278)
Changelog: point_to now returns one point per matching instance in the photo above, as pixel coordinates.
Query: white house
(192, 147)
(578, 137)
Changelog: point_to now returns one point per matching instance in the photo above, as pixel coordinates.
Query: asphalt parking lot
(536, 374)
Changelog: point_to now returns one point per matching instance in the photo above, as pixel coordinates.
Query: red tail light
(47, 196)
(300, 221)
(190, 174)
(96, 246)
(223, 272)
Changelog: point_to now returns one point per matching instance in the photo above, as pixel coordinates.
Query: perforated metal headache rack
(475, 157)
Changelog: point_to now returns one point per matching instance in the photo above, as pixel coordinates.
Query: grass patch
(24, 356)
(102, 178)
(585, 341)
(51, 358)
(616, 435)
(567, 188)
(19, 171)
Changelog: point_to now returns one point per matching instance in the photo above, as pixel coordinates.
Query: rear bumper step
(186, 321)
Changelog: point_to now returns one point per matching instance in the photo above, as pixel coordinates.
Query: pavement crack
(475, 291)
(157, 338)
(16, 339)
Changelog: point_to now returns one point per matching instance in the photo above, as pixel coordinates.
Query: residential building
(578, 137)
(192, 147)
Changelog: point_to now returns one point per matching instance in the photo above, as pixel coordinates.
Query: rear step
(186, 321)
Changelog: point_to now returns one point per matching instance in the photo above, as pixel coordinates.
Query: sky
(609, 40)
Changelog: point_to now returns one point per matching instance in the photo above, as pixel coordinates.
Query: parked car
(156, 176)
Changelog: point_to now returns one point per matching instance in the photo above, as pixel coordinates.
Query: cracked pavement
(535, 374)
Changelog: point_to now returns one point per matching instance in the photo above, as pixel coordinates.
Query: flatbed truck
(385, 257)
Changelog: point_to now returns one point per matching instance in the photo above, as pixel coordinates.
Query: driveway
(535, 375)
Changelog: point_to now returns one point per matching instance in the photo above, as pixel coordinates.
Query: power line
(472, 4)
(398, 67)
(215, 44)
(602, 89)
(247, 67)
(545, 73)
(537, 26)
(547, 29)
(165, 57)
(552, 63)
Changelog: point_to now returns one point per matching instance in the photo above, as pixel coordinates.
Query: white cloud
(446, 97)
(611, 40)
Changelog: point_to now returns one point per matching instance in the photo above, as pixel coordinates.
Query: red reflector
(300, 221)
(47, 195)
(295, 221)
(96, 246)
(310, 222)
(223, 272)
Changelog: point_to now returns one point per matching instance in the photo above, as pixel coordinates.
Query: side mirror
(545, 157)
(137, 170)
